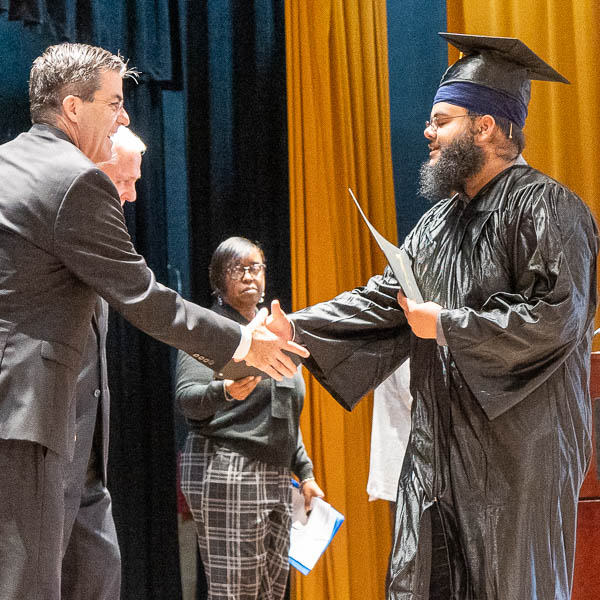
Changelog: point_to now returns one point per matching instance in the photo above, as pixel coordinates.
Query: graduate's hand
(422, 318)
(278, 323)
(266, 350)
(310, 490)
(241, 388)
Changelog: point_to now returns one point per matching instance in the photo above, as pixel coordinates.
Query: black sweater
(264, 426)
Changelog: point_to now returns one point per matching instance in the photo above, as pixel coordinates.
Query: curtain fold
(417, 59)
(562, 127)
(142, 31)
(237, 136)
(339, 137)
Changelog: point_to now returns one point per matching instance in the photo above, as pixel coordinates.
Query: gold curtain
(339, 137)
(562, 129)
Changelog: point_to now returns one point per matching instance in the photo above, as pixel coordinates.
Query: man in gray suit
(91, 565)
(64, 244)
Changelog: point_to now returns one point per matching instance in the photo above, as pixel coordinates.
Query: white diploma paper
(397, 259)
(311, 535)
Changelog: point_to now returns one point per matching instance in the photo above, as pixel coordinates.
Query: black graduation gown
(501, 419)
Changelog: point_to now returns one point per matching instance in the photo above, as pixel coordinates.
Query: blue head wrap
(483, 100)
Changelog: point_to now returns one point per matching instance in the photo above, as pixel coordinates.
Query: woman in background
(244, 440)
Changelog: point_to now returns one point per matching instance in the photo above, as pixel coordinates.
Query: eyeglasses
(115, 105)
(238, 271)
(439, 121)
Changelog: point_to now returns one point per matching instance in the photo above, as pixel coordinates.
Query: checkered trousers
(242, 511)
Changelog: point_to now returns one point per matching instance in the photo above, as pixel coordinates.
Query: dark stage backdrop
(142, 447)
(237, 164)
(237, 139)
(237, 135)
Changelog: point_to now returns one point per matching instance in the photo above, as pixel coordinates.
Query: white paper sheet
(311, 535)
(397, 259)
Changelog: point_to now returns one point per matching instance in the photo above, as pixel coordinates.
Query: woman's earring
(219, 300)
(262, 298)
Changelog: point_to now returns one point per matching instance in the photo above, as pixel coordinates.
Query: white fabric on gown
(389, 434)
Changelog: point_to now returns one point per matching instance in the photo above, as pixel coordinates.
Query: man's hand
(241, 388)
(422, 318)
(266, 350)
(310, 490)
(278, 323)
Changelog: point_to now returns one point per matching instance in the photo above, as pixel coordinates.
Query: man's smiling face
(101, 117)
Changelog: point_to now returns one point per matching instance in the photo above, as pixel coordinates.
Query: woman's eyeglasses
(238, 271)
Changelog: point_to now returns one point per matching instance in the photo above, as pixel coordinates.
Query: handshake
(271, 335)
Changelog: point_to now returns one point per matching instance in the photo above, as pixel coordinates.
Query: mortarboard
(494, 77)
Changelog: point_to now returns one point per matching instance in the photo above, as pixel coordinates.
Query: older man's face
(124, 169)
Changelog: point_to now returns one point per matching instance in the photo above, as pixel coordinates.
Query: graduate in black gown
(499, 351)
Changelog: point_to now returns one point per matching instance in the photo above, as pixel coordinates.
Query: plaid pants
(242, 511)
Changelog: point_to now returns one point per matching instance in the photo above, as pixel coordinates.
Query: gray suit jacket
(102, 324)
(92, 397)
(63, 242)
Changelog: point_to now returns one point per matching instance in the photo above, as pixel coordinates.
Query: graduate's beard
(458, 161)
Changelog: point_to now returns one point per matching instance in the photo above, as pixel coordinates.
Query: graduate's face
(454, 154)
(447, 123)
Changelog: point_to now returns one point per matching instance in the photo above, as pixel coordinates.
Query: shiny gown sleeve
(356, 340)
(517, 339)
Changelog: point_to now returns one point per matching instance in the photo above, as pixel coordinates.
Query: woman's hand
(310, 490)
(242, 388)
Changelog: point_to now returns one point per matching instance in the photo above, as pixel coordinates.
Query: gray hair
(65, 69)
(127, 140)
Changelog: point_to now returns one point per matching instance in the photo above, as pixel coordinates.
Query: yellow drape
(338, 120)
(563, 128)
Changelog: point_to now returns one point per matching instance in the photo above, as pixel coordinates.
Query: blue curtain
(140, 29)
(237, 135)
(237, 139)
(232, 68)
(142, 448)
(412, 40)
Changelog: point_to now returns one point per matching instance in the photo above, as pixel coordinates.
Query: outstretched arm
(266, 350)
(355, 340)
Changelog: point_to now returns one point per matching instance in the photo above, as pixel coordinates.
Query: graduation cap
(494, 77)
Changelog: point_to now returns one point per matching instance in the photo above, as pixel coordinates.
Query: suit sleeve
(198, 394)
(91, 238)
